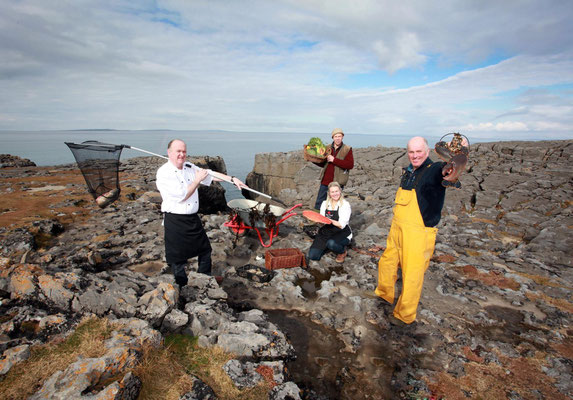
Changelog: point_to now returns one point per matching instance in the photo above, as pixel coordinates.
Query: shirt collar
(410, 168)
(174, 167)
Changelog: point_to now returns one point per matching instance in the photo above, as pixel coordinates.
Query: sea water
(238, 149)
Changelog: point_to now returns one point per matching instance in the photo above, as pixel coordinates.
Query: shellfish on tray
(455, 153)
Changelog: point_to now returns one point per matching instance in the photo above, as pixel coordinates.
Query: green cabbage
(315, 147)
(315, 141)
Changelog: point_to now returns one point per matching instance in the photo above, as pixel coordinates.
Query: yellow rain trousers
(410, 245)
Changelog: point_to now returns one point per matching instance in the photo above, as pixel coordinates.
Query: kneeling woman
(335, 236)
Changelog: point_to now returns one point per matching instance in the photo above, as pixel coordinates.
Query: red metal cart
(242, 208)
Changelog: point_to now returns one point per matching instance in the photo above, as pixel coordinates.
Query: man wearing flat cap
(336, 166)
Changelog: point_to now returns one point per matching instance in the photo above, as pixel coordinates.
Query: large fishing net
(99, 163)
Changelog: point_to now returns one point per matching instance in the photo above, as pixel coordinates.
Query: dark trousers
(322, 192)
(331, 244)
(180, 275)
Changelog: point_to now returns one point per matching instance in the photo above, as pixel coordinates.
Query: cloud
(510, 126)
(497, 67)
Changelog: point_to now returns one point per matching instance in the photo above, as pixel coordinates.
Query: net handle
(214, 174)
(144, 151)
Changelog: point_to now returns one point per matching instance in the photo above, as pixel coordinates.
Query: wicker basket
(313, 158)
(284, 258)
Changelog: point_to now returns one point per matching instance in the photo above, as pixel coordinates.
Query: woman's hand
(336, 223)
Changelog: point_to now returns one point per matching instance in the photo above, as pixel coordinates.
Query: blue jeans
(331, 244)
(204, 267)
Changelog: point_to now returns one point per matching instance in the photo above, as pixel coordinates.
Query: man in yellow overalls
(412, 236)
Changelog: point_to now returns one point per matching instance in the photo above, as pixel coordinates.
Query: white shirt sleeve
(208, 179)
(344, 212)
(173, 183)
(170, 184)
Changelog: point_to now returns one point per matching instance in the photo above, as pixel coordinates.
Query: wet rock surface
(494, 319)
(7, 161)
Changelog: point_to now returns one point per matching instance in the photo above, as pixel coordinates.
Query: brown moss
(472, 253)
(507, 238)
(493, 381)
(30, 326)
(484, 220)
(103, 237)
(565, 348)
(471, 355)
(492, 278)
(267, 373)
(67, 201)
(444, 258)
(541, 280)
(470, 270)
(22, 207)
(562, 304)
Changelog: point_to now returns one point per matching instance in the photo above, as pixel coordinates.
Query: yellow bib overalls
(410, 245)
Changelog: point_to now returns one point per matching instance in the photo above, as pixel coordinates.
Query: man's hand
(330, 158)
(454, 168)
(238, 183)
(200, 175)
(449, 174)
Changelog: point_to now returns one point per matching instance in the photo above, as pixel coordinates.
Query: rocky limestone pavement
(502, 264)
(13, 356)
(112, 266)
(496, 299)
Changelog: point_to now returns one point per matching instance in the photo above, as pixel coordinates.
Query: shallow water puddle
(330, 364)
(324, 370)
(309, 286)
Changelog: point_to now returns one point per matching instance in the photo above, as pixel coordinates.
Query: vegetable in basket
(315, 147)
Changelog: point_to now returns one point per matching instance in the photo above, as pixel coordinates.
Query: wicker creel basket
(313, 158)
(284, 258)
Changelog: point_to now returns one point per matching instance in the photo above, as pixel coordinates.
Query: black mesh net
(99, 163)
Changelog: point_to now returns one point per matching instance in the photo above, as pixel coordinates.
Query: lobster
(455, 153)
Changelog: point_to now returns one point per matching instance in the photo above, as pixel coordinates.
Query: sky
(491, 69)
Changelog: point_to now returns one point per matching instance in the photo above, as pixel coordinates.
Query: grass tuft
(27, 377)
(166, 372)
